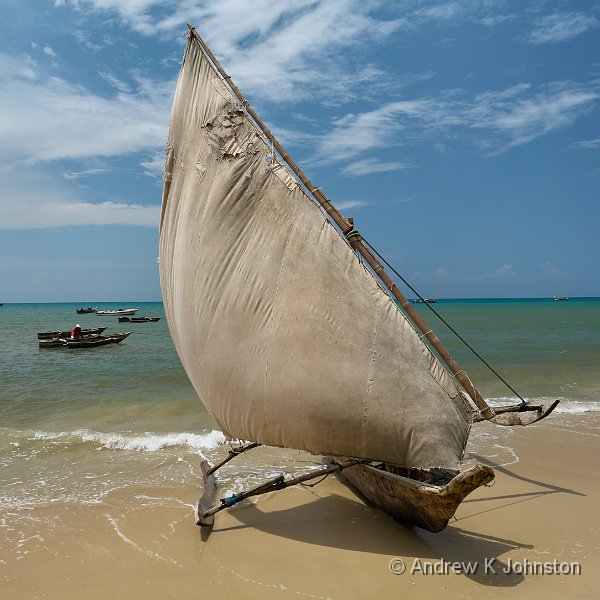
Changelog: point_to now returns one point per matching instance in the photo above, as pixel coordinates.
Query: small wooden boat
(138, 319)
(45, 335)
(58, 342)
(425, 301)
(88, 341)
(101, 340)
(86, 311)
(116, 313)
(560, 298)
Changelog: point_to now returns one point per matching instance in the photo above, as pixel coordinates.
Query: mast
(355, 240)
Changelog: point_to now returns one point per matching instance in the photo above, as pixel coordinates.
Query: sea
(84, 427)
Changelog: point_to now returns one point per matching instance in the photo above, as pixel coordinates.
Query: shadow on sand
(338, 522)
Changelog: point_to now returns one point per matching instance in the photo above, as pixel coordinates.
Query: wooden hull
(45, 335)
(85, 311)
(413, 501)
(100, 341)
(59, 342)
(116, 313)
(85, 342)
(139, 319)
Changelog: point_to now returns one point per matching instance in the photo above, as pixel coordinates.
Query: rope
(412, 289)
(316, 482)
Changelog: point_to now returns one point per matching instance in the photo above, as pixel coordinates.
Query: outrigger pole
(205, 511)
(522, 414)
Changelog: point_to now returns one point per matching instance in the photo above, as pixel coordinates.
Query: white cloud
(115, 82)
(268, 46)
(560, 26)
(49, 52)
(49, 214)
(48, 118)
(501, 119)
(355, 134)
(347, 204)
(516, 119)
(62, 204)
(372, 165)
(587, 144)
(70, 175)
(154, 165)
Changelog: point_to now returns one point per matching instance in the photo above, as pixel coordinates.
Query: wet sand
(323, 542)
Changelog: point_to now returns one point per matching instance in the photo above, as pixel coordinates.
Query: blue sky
(462, 136)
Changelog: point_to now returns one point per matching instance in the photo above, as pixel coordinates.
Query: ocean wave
(147, 442)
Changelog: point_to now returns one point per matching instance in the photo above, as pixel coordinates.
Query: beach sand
(323, 542)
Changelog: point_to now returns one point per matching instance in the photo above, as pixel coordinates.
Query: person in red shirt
(76, 332)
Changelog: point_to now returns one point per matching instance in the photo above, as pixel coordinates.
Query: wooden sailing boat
(289, 327)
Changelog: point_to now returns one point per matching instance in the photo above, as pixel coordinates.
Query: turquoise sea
(79, 426)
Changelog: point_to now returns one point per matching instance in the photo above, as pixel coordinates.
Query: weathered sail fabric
(287, 338)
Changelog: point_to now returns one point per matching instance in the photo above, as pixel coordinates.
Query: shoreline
(324, 542)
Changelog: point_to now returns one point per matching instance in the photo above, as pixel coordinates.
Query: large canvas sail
(287, 337)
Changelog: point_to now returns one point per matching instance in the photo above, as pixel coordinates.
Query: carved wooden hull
(47, 335)
(416, 501)
(90, 341)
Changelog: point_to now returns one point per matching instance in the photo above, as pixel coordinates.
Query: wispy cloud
(522, 116)
(272, 48)
(115, 82)
(70, 175)
(372, 165)
(154, 165)
(62, 204)
(355, 134)
(39, 110)
(586, 144)
(48, 51)
(559, 27)
(45, 215)
(496, 120)
(348, 204)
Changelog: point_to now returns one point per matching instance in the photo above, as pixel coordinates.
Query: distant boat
(90, 341)
(425, 300)
(99, 341)
(1, 303)
(85, 311)
(560, 298)
(116, 313)
(44, 335)
(138, 319)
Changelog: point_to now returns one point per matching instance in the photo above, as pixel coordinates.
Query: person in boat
(76, 332)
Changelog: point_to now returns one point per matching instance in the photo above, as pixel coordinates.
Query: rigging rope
(410, 287)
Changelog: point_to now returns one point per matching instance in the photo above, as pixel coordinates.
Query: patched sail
(286, 336)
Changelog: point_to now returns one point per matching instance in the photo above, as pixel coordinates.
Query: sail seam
(374, 353)
(272, 324)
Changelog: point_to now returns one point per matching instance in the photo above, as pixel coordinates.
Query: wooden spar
(355, 240)
(277, 483)
(232, 454)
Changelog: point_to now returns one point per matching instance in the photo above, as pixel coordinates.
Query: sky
(463, 136)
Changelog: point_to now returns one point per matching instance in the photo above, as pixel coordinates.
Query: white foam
(147, 442)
